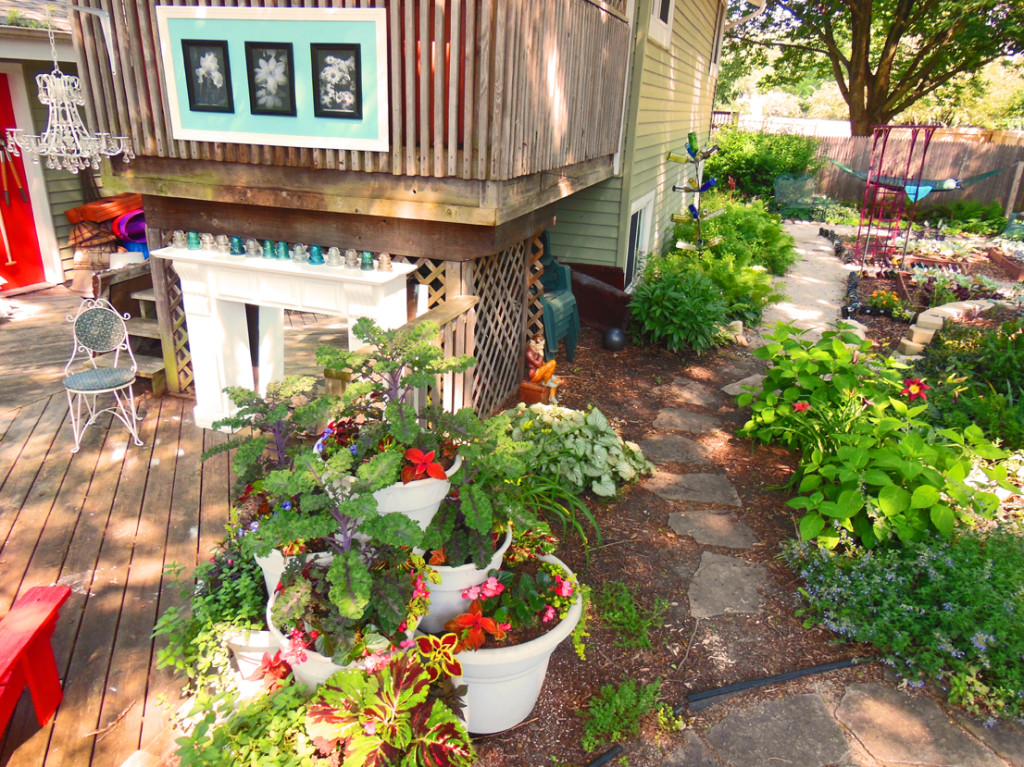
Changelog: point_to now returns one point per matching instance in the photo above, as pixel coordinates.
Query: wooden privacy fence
(945, 159)
(478, 89)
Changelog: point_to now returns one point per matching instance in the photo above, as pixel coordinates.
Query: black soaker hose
(704, 699)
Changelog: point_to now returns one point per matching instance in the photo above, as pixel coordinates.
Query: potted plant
(331, 615)
(515, 621)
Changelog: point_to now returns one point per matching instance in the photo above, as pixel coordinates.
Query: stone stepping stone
(684, 391)
(736, 389)
(700, 488)
(673, 448)
(674, 419)
(713, 528)
(895, 727)
(797, 731)
(725, 585)
(1001, 738)
(693, 753)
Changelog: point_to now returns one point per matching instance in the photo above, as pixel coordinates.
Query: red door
(21, 263)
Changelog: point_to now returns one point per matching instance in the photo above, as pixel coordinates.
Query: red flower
(799, 407)
(914, 388)
(473, 627)
(421, 466)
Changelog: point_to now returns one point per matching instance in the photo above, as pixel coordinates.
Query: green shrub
(945, 610)
(982, 380)
(750, 235)
(753, 160)
(968, 216)
(870, 469)
(679, 307)
(616, 712)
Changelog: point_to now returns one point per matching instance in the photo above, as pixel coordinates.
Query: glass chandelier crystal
(66, 143)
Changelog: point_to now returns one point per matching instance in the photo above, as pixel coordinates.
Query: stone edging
(931, 320)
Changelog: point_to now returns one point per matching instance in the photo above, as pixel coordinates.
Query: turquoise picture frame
(309, 32)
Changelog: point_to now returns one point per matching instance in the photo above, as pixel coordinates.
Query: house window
(716, 50)
(661, 22)
(639, 241)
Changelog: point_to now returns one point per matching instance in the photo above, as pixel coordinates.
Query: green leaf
(943, 519)
(809, 482)
(350, 584)
(893, 499)
(811, 524)
(877, 477)
(925, 496)
(603, 487)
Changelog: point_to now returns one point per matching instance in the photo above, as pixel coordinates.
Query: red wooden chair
(26, 655)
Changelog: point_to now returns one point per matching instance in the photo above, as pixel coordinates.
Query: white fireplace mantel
(216, 287)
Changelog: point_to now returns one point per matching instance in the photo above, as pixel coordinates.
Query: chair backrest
(556, 276)
(99, 329)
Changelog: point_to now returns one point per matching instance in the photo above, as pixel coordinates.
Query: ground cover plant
(964, 216)
(942, 610)
(754, 160)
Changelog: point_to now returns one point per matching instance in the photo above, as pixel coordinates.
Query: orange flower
(473, 627)
(422, 465)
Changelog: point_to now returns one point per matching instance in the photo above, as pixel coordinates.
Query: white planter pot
(274, 563)
(248, 647)
(315, 669)
(418, 500)
(446, 600)
(503, 683)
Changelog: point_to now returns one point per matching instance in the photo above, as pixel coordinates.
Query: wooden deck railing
(479, 89)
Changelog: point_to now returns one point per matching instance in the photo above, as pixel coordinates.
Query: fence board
(946, 159)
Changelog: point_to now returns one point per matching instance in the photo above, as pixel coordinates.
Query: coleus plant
(394, 714)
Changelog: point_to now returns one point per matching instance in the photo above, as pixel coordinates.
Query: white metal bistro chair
(99, 329)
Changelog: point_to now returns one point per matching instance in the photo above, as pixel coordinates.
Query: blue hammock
(919, 191)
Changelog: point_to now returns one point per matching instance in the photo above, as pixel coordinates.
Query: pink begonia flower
(370, 728)
(420, 589)
(549, 614)
(405, 644)
(473, 592)
(504, 626)
(562, 587)
(491, 587)
(376, 661)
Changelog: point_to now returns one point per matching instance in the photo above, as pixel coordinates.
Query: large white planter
(248, 647)
(503, 683)
(315, 669)
(274, 563)
(446, 600)
(418, 500)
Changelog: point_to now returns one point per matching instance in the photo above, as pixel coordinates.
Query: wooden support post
(1011, 200)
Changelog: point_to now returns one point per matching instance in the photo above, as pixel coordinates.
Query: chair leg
(126, 412)
(75, 413)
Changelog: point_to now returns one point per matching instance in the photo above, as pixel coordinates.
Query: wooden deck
(104, 521)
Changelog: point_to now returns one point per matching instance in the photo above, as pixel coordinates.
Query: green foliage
(275, 421)
(949, 610)
(616, 713)
(225, 595)
(387, 717)
(754, 160)
(966, 216)
(268, 729)
(982, 383)
(679, 308)
(581, 449)
(870, 469)
(750, 235)
(618, 608)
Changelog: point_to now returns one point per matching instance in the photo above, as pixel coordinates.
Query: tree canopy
(884, 55)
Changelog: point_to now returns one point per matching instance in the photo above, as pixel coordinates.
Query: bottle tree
(695, 185)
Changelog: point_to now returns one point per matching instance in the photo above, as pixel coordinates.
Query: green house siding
(587, 225)
(63, 189)
(673, 96)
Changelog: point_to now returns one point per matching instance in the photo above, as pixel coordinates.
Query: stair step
(140, 327)
(146, 367)
(147, 294)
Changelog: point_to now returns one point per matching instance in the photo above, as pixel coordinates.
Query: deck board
(104, 521)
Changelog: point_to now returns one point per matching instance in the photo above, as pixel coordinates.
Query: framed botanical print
(207, 75)
(337, 77)
(270, 74)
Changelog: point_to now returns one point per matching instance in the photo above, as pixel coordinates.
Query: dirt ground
(640, 549)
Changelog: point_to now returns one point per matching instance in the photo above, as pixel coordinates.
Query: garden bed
(1012, 268)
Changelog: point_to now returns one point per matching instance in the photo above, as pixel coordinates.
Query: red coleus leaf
(473, 627)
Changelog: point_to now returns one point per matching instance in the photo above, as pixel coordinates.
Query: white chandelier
(66, 143)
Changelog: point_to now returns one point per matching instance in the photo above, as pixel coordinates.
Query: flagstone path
(871, 725)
